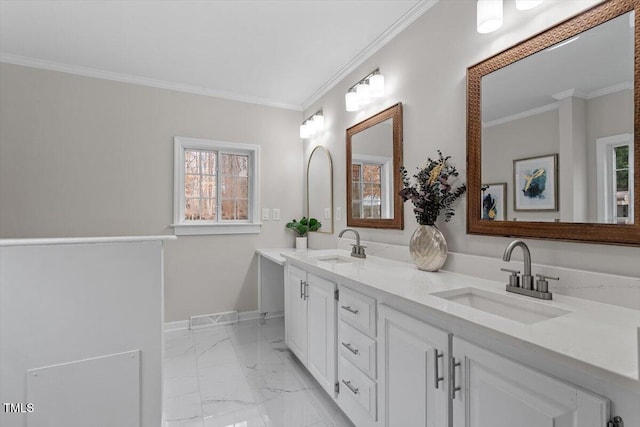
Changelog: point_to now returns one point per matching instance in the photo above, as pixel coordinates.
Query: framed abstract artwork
(535, 183)
(494, 201)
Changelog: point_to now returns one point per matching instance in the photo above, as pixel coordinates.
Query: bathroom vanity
(397, 346)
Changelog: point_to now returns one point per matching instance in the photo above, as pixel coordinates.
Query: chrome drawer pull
(301, 291)
(453, 378)
(351, 349)
(437, 377)
(350, 387)
(350, 310)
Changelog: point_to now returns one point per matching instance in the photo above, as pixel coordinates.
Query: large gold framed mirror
(374, 157)
(552, 132)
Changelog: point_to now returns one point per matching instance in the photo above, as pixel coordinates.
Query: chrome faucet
(357, 250)
(541, 289)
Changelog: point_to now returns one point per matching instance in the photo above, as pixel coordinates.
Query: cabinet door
(407, 366)
(296, 312)
(497, 392)
(321, 327)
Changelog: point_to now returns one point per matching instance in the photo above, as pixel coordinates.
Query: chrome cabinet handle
(454, 389)
(351, 349)
(306, 290)
(301, 290)
(437, 377)
(350, 310)
(350, 387)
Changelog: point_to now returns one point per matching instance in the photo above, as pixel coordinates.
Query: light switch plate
(265, 214)
(327, 213)
(276, 214)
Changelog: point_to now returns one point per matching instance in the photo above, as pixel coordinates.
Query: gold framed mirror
(374, 157)
(555, 120)
(320, 188)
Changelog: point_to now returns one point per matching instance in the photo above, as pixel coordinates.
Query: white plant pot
(301, 243)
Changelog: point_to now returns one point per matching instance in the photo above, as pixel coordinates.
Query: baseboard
(183, 325)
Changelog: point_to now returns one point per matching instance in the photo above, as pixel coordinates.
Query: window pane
(372, 173)
(355, 191)
(355, 173)
(191, 161)
(242, 209)
(228, 209)
(228, 187)
(208, 209)
(208, 162)
(243, 166)
(622, 157)
(191, 186)
(208, 186)
(356, 209)
(192, 209)
(242, 187)
(622, 180)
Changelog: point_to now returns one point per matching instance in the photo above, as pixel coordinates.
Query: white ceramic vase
(301, 242)
(428, 248)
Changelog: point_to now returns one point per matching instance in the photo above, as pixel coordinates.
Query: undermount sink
(334, 259)
(506, 306)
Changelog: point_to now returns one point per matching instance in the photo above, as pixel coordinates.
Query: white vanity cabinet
(492, 391)
(413, 363)
(310, 320)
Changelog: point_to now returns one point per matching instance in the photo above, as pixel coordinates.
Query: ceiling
(600, 61)
(282, 53)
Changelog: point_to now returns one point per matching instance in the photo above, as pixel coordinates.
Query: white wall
(87, 157)
(425, 68)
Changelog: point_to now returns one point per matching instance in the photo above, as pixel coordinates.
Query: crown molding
(142, 81)
(610, 89)
(522, 115)
(405, 20)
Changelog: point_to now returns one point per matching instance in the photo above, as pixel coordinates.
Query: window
(615, 179)
(215, 187)
(370, 190)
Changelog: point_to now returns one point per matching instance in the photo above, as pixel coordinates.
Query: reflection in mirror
(371, 172)
(553, 122)
(374, 156)
(572, 102)
(320, 188)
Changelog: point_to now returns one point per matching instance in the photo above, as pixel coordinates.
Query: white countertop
(275, 254)
(600, 335)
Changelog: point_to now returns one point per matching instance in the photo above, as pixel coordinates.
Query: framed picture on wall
(494, 201)
(535, 183)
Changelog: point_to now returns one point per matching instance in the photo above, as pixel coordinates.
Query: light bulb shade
(489, 15)
(318, 120)
(351, 101)
(527, 4)
(364, 93)
(304, 131)
(376, 84)
(311, 125)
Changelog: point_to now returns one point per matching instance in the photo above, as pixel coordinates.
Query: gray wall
(425, 68)
(86, 157)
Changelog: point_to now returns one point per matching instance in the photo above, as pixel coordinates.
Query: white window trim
(386, 201)
(184, 227)
(604, 176)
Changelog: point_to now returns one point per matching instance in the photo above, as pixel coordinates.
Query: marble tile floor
(241, 375)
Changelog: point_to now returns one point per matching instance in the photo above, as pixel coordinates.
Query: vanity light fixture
(527, 4)
(489, 15)
(369, 87)
(312, 125)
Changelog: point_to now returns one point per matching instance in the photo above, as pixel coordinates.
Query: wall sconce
(369, 87)
(312, 125)
(489, 13)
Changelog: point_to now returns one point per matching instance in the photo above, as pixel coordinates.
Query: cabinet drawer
(358, 310)
(358, 348)
(357, 391)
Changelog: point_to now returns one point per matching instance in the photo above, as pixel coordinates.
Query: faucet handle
(514, 279)
(541, 284)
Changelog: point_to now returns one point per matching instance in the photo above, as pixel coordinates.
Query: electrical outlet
(276, 214)
(327, 213)
(338, 213)
(265, 214)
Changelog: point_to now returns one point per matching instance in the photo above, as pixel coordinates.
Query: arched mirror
(320, 188)
(374, 157)
(553, 132)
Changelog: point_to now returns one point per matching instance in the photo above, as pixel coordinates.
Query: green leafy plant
(432, 193)
(304, 226)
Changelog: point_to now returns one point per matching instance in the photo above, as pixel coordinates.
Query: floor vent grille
(217, 319)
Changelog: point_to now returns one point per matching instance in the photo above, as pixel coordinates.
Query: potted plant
(432, 194)
(302, 228)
